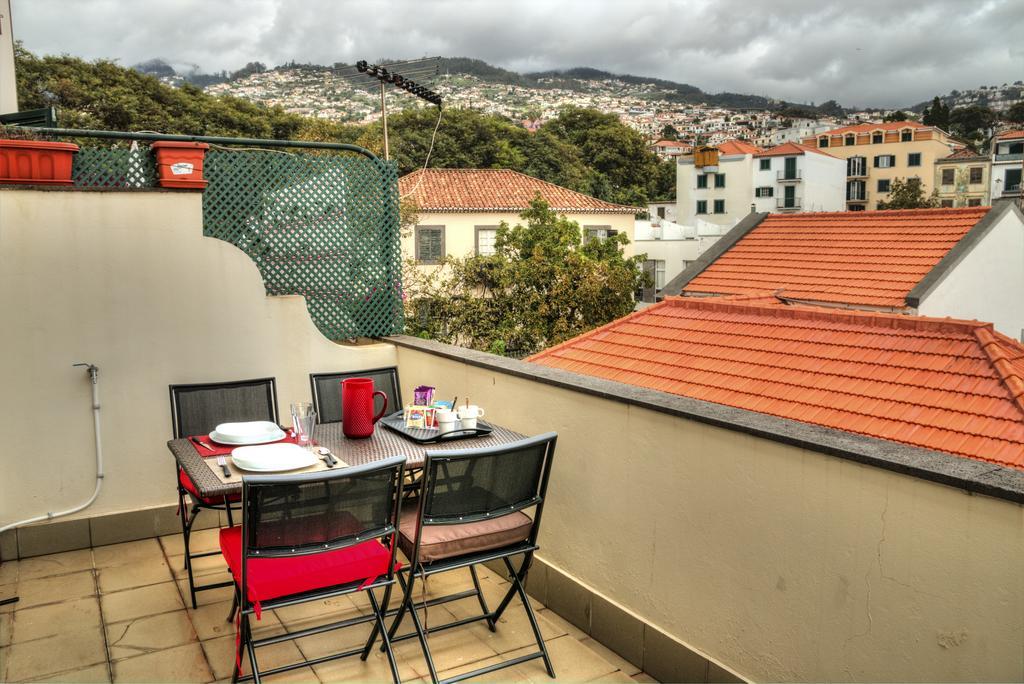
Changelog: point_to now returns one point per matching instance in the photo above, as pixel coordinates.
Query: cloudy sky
(863, 52)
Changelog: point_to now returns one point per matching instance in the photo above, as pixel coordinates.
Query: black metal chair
(326, 389)
(471, 511)
(196, 409)
(310, 537)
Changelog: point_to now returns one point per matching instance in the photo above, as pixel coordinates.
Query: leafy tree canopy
(898, 115)
(973, 123)
(936, 115)
(1015, 113)
(909, 194)
(543, 285)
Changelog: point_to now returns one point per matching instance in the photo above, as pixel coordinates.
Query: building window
(885, 161)
(907, 135)
(597, 233)
(877, 138)
(661, 212)
(883, 185)
(856, 166)
(914, 159)
(947, 204)
(429, 244)
(948, 176)
(766, 164)
(702, 181)
(851, 139)
(974, 202)
(485, 237)
(1011, 180)
(976, 174)
(719, 180)
(856, 191)
(764, 191)
(719, 206)
(823, 141)
(702, 206)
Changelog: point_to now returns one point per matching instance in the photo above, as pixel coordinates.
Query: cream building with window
(962, 179)
(459, 211)
(878, 153)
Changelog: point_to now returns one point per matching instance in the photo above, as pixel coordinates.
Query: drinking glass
(303, 421)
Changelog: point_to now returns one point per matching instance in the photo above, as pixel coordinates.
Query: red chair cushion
(271, 578)
(186, 482)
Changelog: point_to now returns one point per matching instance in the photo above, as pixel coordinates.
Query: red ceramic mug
(357, 418)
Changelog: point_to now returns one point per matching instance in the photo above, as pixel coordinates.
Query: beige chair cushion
(448, 541)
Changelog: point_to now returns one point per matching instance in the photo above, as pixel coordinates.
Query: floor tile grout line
(186, 601)
(99, 604)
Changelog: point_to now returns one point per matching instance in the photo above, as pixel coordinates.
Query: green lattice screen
(322, 226)
(114, 167)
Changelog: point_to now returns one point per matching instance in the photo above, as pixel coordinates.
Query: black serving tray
(396, 423)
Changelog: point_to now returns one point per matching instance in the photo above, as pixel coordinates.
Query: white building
(715, 184)
(671, 247)
(793, 177)
(1007, 164)
(724, 183)
(662, 210)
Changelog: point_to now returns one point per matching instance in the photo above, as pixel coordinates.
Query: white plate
(255, 432)
(273, 457)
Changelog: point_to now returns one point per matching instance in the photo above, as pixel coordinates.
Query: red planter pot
(180, 164)
(36, 162)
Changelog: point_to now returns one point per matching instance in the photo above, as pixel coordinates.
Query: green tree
(543, 285)
(669, 132)
(973, 123)
(909, 194)
(1015, 114)
(898, 115)
(936, 115)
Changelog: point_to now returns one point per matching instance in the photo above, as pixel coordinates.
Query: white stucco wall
(8, 86)
(824, 182)
(127, 281)
(988, 283)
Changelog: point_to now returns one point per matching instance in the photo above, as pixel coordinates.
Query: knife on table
(222, 462)
(202, 443)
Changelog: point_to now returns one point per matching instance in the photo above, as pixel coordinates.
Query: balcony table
(205, 473)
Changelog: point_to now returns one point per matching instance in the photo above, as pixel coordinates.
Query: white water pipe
(94, 376)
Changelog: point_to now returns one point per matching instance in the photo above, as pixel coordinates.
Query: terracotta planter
(180, 164)
(36, 162)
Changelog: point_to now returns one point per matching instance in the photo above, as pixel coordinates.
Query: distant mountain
(998, 98)
(567, 79)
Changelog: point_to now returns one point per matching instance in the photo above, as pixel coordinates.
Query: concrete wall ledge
(963, 473)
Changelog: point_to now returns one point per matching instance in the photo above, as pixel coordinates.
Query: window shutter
(612, 232)
(877, 158)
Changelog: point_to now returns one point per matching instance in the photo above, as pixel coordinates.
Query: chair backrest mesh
(472, 484)
(315, 512)
(198, 409)
(327, 391)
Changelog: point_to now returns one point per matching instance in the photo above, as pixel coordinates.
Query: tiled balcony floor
(118, 613)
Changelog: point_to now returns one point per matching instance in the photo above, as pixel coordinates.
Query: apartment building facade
(722, 184)
(1007, 164)
(962, 179)
(878, 153)
(793, 177)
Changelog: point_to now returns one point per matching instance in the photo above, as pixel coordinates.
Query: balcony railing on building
(789, 176)
(788, 203)
(1015, 156)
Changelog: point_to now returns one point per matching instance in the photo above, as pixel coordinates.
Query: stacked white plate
(273, 457)
(253, 432)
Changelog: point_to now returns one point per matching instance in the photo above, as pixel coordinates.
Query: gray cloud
(870, 52)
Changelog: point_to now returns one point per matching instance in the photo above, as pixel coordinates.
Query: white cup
(468, 416)
(446, 420)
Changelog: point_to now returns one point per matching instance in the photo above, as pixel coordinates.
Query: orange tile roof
(937, 383)
(790, 148)
(1010, 135)
(868, 127)
(961, 154)
(863, 258)
(468, 190)
(737, 147)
